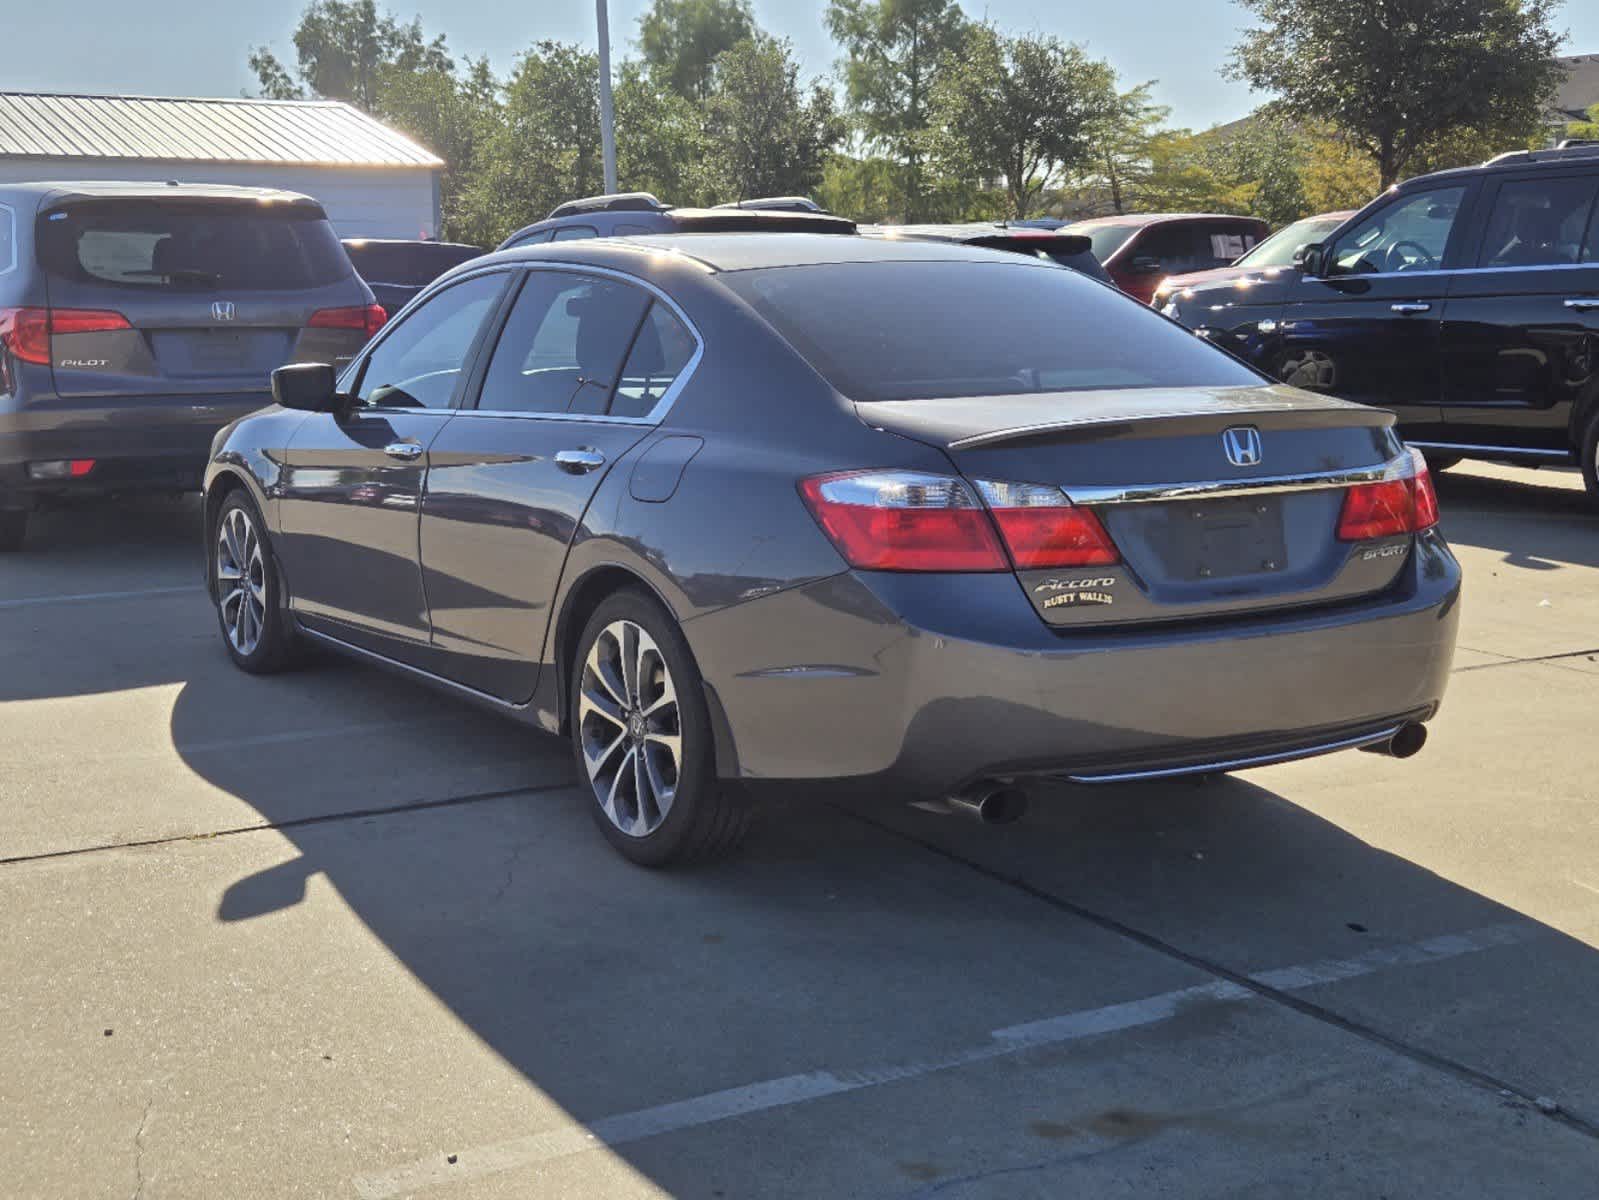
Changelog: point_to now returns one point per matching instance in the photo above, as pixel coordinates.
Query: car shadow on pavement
(1537, 519)
(849, 939)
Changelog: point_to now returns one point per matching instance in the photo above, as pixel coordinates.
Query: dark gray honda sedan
(734, 512)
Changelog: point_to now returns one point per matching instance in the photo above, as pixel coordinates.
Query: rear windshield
(1106, 239)
(189, 247)
(409, 263)
(924, 330)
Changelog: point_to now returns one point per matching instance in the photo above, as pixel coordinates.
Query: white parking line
(83, 597)
(623, 1128)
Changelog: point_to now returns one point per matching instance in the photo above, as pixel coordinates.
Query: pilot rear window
(189, 247)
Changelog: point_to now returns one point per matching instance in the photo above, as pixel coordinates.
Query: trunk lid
(214, 293)
(1220, 501)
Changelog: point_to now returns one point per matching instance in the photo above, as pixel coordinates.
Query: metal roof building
(373, 181)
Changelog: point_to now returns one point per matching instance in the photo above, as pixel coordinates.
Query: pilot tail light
(912, 521)
(1389, 507)
(368, 318)
(26, 332)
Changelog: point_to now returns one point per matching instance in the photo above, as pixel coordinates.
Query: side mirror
(1311, 258)
(309, 387)
(1144, 265)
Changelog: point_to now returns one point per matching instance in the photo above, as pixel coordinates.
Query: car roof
(1155, 218)
(721, 252)
(670, 219)
(95, 189)
(1584, 156)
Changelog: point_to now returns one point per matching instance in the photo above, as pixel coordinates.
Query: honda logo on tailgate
(1242, 443)
(222, 310)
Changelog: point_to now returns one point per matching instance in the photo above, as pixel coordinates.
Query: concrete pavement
(329, 934)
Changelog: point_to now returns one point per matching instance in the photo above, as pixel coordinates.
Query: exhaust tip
(1407, 740)
(1411, 737)
(992, 804)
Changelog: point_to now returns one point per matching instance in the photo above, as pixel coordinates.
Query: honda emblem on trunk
(222, 310)
(1242, 444)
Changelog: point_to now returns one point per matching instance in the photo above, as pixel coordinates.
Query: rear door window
(418, 363)
(661, 352)
(563, 344)
(1539, 222)
(177, 246)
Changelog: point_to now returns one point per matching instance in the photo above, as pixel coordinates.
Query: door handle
(409, 451)
(1411, 307)
(580, 461)
(1583, 303)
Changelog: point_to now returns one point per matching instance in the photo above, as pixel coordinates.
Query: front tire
(641, 734)
(256, 631)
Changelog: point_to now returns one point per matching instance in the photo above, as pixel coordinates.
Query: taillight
(26, 332)
(1405, 504)
(1042, 528)
(368, 318)
(904, 521)
(910, 521)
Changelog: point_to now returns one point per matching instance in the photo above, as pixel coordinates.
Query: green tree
(765, 134)
(1018, 111)
(1124, 140)
(454, 116)
(546, 147)
(681, 39)
(660, 139)
(1395, 75)
(894, 50)
(344, 50)
(1585, 129)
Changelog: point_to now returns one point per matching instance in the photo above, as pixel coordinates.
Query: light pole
(607, 117)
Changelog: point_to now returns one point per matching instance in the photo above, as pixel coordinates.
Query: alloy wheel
(241, 580)
(630, 728)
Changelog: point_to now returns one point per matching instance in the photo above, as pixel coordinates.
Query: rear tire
(641, 736)
(13, 529)
(1588, 453)
(255, 626)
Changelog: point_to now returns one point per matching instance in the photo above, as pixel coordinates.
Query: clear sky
(198, 47)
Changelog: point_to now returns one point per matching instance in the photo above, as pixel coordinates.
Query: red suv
(1139, 250)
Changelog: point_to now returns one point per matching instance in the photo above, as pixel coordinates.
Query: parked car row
(1466, 301)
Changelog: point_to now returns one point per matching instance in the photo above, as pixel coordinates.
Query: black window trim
(350, 382)
(469, 404)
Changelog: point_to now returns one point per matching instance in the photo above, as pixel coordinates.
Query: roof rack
(1568, 148)
(777, 204)
(615, 202)
(721, 220)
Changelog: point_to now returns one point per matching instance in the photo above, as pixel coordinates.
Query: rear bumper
(137, 443)
(922, 684)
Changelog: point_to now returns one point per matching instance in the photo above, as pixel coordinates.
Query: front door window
(1410, 234)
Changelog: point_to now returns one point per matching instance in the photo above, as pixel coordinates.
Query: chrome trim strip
(1582, 266)
(1147, 493)
(1492, 451)
(427, 676)
(669, 397)
(1238, 764)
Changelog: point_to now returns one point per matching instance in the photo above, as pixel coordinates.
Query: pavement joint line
(1276, 986)
(786, 1091)
(1512, 662)
(87, 597)
(294, 823)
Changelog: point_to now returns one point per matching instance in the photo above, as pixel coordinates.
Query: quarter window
(660, 353)
(8, 239)
(1539, 222)
(563, 344)
(1410, 234)
(419, 363)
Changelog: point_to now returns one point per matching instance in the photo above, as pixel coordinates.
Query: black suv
(396, 269)
(626, 214)
(1466, 301)
(137, 319)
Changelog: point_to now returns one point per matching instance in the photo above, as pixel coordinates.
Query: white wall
(396, 202)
